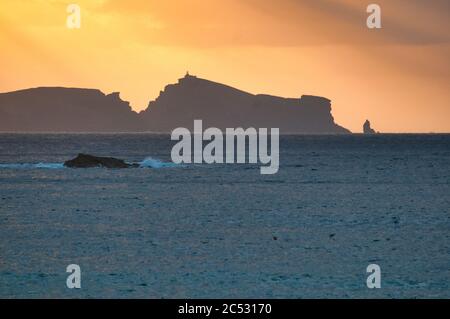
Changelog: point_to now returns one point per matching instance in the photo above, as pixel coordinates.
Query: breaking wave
(33, 165)
(148, 162)
(155, 163)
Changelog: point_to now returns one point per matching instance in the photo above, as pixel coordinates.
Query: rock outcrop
(87, 161)
(367, 129)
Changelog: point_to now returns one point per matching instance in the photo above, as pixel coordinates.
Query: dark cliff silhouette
(222, 106)
(218, 105)
(66, 110)
(367, 129)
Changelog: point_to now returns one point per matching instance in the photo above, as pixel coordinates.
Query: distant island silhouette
(58, 109)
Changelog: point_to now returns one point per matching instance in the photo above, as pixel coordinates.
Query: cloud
(284, 22)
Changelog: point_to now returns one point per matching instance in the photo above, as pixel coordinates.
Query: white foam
(32, 165)
(155, 163)
(148, 162)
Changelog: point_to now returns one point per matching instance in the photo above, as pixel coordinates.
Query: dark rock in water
(367, 129)
(86, 161)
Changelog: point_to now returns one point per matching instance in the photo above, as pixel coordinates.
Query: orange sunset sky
(397, 76)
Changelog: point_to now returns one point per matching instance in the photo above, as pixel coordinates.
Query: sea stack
(367, 129)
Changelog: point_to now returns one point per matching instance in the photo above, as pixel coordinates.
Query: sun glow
(398, 77)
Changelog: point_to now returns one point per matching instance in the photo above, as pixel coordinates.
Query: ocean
(338, 204)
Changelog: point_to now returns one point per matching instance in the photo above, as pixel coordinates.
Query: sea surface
(337, 204)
